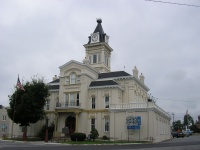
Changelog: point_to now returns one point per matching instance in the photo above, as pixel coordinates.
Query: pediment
(77, 67)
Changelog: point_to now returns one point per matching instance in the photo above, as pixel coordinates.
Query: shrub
(4, 137)
(105, 137)
(94, 134)
(78, 136)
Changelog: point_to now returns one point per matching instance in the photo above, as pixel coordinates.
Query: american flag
(19, 85)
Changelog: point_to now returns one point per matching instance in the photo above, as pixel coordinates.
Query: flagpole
(19, 85)
(14, 113)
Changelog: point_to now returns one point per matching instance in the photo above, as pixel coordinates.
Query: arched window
(73, 78)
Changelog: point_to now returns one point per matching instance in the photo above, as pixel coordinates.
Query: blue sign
(133, 127)
(139, 120)
(133, 122)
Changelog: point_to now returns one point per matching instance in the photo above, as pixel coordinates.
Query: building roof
(113, 74)
(55, 81)
(53, 87)
(103, 83)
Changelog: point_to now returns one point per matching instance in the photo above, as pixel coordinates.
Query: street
(187, 143)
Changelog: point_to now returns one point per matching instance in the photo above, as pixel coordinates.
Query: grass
(90, 142)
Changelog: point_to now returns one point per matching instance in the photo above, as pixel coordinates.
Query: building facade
(4, 121)
(89, 95)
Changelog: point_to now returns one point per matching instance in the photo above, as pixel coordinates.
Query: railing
(128, 105)
(138, 105)
(68, 105)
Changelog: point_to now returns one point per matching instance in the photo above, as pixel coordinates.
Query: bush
(94, 134)
(78, 137)
(4, 137)
(105, 137)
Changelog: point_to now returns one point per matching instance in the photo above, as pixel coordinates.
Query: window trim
(92, 124)
(106, 103)
(106, 124)
(93, 102)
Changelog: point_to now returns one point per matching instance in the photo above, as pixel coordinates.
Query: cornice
(104, 87)
(141, 110)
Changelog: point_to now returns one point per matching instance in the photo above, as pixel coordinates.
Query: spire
(98, 35)
(99, 27)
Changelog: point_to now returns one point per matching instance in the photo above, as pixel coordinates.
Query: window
(4, 118)
(92, 124)
(106, 101)
(106, 61)
(94, 59)
(67, 80)
(47, 104)
(77, 99)
(73, 78)
(72, 99)
(93, 102)
(3, 128)
(107, 124)
(78, 80)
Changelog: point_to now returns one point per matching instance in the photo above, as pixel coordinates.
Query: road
(187, 143)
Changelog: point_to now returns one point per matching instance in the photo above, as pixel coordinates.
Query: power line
(172, 3)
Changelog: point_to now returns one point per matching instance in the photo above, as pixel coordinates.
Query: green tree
(28, 106)
(177, 125)
(188, 120)
(94, 134)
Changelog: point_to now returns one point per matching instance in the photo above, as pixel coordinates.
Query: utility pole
(173, 120)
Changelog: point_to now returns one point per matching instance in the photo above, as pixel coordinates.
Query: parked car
(178, 134)
(187, 134)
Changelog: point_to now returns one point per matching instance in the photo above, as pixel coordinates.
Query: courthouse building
(89, 95)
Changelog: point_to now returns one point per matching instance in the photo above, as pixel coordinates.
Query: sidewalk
(30, 142)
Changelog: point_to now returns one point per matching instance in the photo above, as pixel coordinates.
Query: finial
(99, 20)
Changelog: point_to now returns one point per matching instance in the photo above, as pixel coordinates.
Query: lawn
(103, 142)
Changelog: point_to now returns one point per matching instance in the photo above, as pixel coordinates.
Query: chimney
(135, 72)
(55, 77)
(142, 78)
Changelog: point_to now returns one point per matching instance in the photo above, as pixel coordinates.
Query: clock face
(94, 37)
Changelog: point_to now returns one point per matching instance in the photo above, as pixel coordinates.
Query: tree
(28, 106)
(177, 125)
(188, 120)
(94, 134)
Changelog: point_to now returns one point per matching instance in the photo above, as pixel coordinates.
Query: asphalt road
(187, 143)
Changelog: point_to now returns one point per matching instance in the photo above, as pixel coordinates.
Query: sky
(161, 39)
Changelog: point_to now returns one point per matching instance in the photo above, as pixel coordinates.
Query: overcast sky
(162, 40)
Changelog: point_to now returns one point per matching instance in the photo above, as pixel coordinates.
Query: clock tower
(98, 51)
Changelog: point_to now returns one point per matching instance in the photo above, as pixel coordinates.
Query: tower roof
(99, 27)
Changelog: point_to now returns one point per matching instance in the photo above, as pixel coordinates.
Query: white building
(88, 95)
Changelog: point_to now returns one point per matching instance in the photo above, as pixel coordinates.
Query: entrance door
(71, 124)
